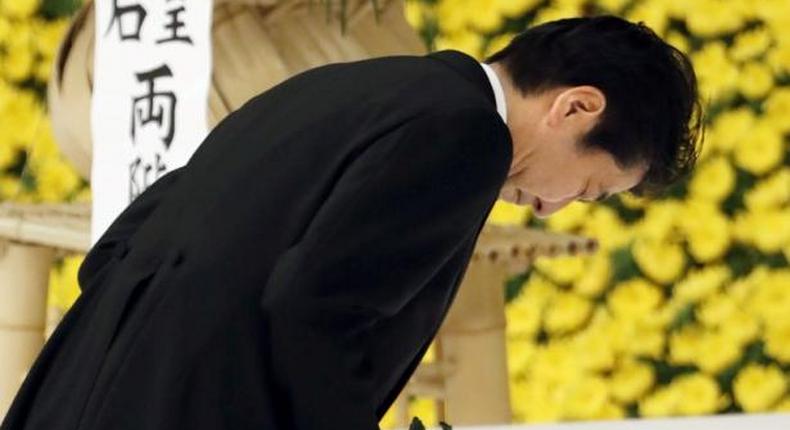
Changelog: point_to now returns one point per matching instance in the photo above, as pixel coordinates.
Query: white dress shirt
(499, 92)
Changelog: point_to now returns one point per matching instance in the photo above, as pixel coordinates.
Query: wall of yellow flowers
(686, 308)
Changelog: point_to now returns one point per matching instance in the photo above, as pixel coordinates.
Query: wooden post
(473, 345)
(24, 277)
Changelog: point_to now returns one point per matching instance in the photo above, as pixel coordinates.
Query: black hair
(653, 114)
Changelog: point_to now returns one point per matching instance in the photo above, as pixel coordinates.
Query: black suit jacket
(292, 274)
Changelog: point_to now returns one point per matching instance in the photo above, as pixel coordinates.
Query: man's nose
(544, 209)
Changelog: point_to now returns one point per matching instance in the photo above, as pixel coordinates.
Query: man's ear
(586, 101)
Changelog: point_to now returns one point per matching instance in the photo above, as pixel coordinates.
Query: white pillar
(24, 279)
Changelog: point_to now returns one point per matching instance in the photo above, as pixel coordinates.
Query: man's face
(550, 179)
(549, 170)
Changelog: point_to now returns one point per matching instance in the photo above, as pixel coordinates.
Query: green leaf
(57, 8)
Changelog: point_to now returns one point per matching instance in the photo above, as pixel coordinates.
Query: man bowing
(293, 273)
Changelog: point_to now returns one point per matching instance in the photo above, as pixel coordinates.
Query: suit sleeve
(123, 227)
(393, 219)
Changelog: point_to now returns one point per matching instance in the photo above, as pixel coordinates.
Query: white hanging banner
(152, 67)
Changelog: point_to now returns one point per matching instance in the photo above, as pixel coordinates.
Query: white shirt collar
(499, 92)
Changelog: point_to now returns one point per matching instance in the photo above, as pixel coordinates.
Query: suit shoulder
(476, 132)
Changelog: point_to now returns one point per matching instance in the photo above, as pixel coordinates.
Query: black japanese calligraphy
(174, 26)
(121, 14)
(155, 106)
(142, 174)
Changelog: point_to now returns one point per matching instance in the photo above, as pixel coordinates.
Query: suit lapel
(468, 67)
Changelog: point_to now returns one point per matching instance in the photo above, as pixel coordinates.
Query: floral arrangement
(685, 310)
(32, 168)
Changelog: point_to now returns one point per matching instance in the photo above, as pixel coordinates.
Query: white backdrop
(152, 68)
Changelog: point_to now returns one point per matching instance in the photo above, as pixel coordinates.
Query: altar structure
(468, 377)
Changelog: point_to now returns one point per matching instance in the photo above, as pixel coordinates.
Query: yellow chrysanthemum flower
(717, 76)
(63, 287)
(715, 309)
(515, 8)
(48, 35)
(519, 355)
(498, 43)
(662, 262)
(586, 398)
(612, 6)
(524, 313)
(537, 400)
(707, 230)
(776, 108)
(9, 186)
(19, 9)
(523, 318)
(683, 344)
(564, 269)
(701, 283)
(767, 229)
(771, 192)
(43, 70)
(741, 327)
(506, 213)
(778, 58)
(758, 388)
(632, 202)
(713, 180)
(451, 17)
(17, 64)
(484, 15)
(750, 44)
(566, 312)
(700, 395)
(631, 381)
(605, 225)
(677, 40)
(21, 34)
(653, 13)
(660, 220)
(555, 362)
(55, 179)
(756, 80)
(661, 403)
(596, 275)
(716, 351)
(424, 408)
(761, 151)
(466, 41)
(594, 349)
(708, 18)
(777, 342)
(783, 406)
(646, 341)
(731, 127)
(554, 12)
(415, 12)
(634, 298)
(569, 218)
(610, 411)
(770, 300)
(389, 420)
